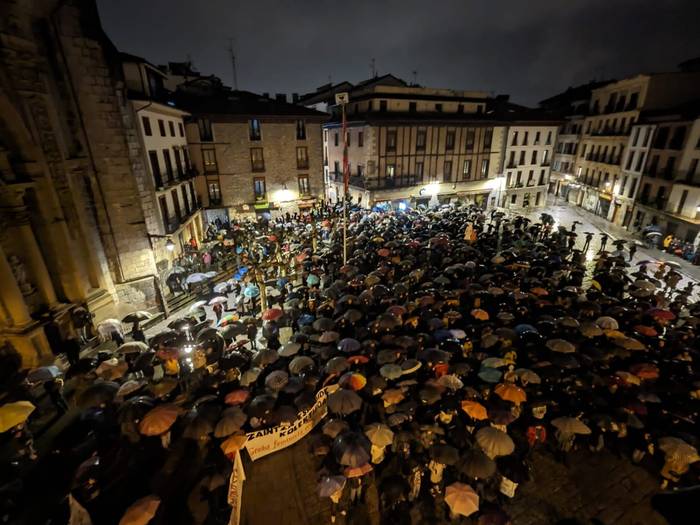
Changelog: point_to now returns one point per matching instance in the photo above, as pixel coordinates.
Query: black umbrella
(351, 449)
(98, 394)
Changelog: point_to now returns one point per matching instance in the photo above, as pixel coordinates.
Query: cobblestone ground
(593, 485)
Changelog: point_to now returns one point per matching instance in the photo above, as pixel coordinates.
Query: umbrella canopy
(462, 499)
(351, 449)
(218, 300)
(233, 444)
(134, 317)
(511, 392)
(344, 401)
(289, 349)
(13, 414)
(379, 434)
(301, 363)
(98, 394)
(571, 425)
(494, 442)
(444, 454)
(43, 373)
(141, 512)
(329, 485)
(276, 380)
(272, 314)
(475, 410)
(476, 464)
(159, 419)
(679, 450)
(561, 346)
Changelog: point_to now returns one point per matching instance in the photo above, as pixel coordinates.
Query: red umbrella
(660, 313)
(645, 371)
(383, 252)
(237, 397)
(645, 330)
(272, 314)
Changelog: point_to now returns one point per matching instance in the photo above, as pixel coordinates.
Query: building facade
(624, 194)
(409, 146)
(169, 200)
(71, 162)
(253, 155)
(528, 156)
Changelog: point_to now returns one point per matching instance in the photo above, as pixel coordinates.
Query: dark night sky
(530, 49)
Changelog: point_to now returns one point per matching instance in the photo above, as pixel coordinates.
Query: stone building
(253, 154)
(71, 164)
(409, 145)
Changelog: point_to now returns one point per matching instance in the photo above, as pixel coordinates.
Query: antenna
(233, 63)
(415, 77)
(373, 68)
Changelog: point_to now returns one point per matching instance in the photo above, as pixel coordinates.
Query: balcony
(302, 164)
(546, 163)
(257, 167)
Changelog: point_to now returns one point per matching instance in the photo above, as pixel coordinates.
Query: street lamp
(169, 245)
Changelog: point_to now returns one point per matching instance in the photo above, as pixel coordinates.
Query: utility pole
(233, 63)
(415, 77)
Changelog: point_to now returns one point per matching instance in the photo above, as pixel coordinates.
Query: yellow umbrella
(13, 414)
(159, 419)
(462, 499)
(475, 410)
(233, 444)
(141, 512)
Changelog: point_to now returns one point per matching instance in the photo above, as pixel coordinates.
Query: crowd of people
(453, 345)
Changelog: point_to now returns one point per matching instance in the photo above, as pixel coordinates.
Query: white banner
(260, 443)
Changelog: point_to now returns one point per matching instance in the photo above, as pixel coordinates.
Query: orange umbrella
(383, 252)
(645, 371)
(645, 330)
(237, 397)
(233, 444)
(510, 392)
(475, 410)
(539, 291)
(356, 472)
(272, 314)
(479, 314)
(393, 396)
(358, 359)
(159, 419)
(353, 381)
(441, 369)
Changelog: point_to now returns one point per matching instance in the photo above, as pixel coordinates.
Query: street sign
(342, 98)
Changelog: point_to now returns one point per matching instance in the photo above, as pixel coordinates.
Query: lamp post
(342, 99)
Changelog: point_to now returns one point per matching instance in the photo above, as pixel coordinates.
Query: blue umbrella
(281, 282)
(243, 270)
(490, 375)
(306, 319)
(312, 280)
(239, 249)
(525, 328)
(441, 335)
(251, 291)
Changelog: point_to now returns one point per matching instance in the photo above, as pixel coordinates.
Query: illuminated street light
(169, 245)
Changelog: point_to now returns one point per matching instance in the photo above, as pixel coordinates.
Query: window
(522, 158)
(450, 140)
(412, 107)
(382, 106)
(533, 160)
(530, 176)
(438, 108)
(259, 188)
(660, 138)
(518, 178)
(178, 162)
(419, 170)
(335, 138)
(692, 169)
(621, 189)
(630, 158)
(420, 140)
(181, 129)
(484, 168)
(205, 134)
(537, 198)
(302, 158)
(146, 126)
(488, 137)
(513, 198)
(336, 169)
(542, 181)
(470, 140)
(301, 130)
(360, 170)
(460, 108)
(257, 162)
(640, 162)
(168, 164)
(254, 129)
(678, 138)
(525, 138)
(681, 203)
(161, 127)
(635, 137)
(632, 104)
(348, 135)
(155, 168)
(545, 160)
(304, 188)
(511, 160)
(447, 171)
(391, 140)
(467, 169)
(164, 211)
(514, 142)
(537, 137)
(390, 172)
(209, 160)
(171, 126)
(186, 158)
(549, 138)
(653, 165)
(176, 204)
(361, 139)
(214, 192)
(185, 201)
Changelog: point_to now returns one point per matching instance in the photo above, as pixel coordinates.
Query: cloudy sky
(530, 49)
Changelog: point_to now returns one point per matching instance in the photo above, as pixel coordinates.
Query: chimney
(295, 98)
(281, 97)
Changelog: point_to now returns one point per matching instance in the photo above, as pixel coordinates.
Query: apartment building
(669, 193)
(528, 156)
(170, 200)
(253, 154)
(624, 193)
(613, 110)
(409, 145)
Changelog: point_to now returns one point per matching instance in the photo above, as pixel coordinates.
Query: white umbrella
(218, 300)
(197, 305)
(196, 278)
